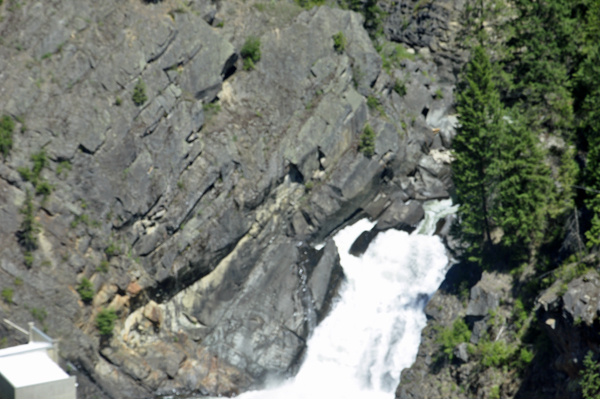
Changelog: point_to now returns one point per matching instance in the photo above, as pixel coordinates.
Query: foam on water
(374, 330)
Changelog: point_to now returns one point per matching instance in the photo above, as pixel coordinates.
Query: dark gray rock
(482, 300)
(401, 216)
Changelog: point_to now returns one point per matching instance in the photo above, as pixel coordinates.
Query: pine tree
(523, 186)
(542, 49)
(475, 147)
(588, 109)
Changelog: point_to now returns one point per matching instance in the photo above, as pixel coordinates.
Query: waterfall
(374, 329)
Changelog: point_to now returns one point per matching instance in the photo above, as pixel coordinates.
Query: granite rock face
(196, 214)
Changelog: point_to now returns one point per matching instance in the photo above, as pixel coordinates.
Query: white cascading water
(374, 330)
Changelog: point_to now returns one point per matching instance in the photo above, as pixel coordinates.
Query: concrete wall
(63, 389)
(6, 389)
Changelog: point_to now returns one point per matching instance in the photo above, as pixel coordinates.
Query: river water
(374, 329)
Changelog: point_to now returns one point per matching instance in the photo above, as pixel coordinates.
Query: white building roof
(29, 364)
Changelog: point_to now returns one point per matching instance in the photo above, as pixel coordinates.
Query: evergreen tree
(523, 186)
(588, 109)
(542, 51)
(479, 108)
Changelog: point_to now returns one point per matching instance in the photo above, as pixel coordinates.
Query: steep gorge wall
(197, 225)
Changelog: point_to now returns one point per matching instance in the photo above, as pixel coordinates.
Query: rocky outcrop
(195, 214)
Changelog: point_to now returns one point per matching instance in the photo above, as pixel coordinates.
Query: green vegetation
(7, 295)
(251, 52)
(308, 4)
(210, 110)
(103, 267)
(590, 377)
(39, 314)
(63, 166)
(29, 229)
(339, 42)
(112, 249)
(367, 141)
(86, 290)
(392, 55)
(375, 105)
(449, 338)
(501, 179)
(400, 88)
(40, 161)
(118, 101)
(7, 125)
(105, 321)
(139, 93)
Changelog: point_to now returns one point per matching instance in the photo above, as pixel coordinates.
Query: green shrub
(27, 234)
(105, 321)
(495, 392)
(339, 42)
(308, 4)
(63, 166)
(590, 377)
(519, 314)
(139, 93)
(7, 125)
(400, 88)
(210, 110)
(525, 357)
(449, 338)
(7, 295)
(86, 290)
(18, 281)
(39, 314)
(251, 52)
(103, 267)
(438, 94)
(367, 141)
(496, 354)
(118, 101)
(112, 249)
(375, 105)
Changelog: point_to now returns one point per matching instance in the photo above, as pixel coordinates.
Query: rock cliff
(194, 206)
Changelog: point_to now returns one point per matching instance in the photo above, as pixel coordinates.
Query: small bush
(7, 125)
(400, 88)
(450, 337)
(590, 377)
(18, 281)
(438, 94)
(27, 234)
(105, 321)
(139, 93)
(7, 295)
(367, 141)
(308, 4)
(210, 110)
(375, 105)
(39, 314)
(103, 267)
(63, 166)
(118, 101)
(86, 290)
(251, 52)
(496, 354)
(339, 42)
(112, 249)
